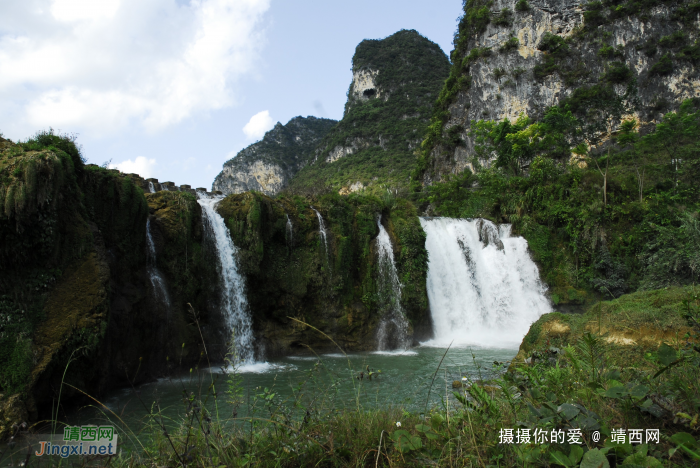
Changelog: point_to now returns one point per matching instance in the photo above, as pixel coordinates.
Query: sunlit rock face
(268, 165)
(504, 82)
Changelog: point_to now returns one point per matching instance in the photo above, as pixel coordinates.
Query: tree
(601, 110)
(629, 136)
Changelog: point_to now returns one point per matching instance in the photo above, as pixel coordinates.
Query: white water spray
(483, 287)
(233, 300)
(151, 187)
(392, 332)
(157, 281)
(289, 231)
(324, 236)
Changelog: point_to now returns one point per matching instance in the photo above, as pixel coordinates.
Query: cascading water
(233, 300)
(157, 281)
(151, 187)
(289, 232)
(483, 287)
(392, 332)
(324, 236)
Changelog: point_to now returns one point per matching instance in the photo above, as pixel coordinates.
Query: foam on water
(483, 287)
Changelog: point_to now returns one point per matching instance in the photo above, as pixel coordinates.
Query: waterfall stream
(151, 187)
(483, 287)
(324, 236)
(392, 332)
(289, 231)
(233, 299)
(157, 281)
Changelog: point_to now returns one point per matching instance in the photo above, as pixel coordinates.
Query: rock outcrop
(520, 57)
(268, 165)
(395, 83)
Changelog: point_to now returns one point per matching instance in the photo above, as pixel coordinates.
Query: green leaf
(684, 438)
(594, 459)
(559, 459)
(666, 355)
(616, 392)
(569, 411)
(422, 427)
(575, 454)
(639, 392)
(436, 420)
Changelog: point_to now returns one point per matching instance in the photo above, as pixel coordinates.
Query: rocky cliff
(331, 284)
(390, 99)
(520, 57)
(268, 165)
(77, 301)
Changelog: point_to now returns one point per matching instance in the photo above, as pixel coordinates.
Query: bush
(522, 5)
(618, 73)
(663, 67)
(510, 44)
(504, 18)
(673, 41)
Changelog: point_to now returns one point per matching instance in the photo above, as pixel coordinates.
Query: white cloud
(141, 166)
(105, 64)
(258, 125)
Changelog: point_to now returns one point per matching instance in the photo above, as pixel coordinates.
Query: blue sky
(166, 88)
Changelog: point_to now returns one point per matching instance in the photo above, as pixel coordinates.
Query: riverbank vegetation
(593, 374)
(605, 212)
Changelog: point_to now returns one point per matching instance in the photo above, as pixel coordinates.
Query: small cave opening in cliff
(368, 93)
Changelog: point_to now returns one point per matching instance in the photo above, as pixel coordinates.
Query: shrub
(673, 41)
(593, 16)
(498, 73)
(517, 72)
(504, 18)
(522, 5)
(609, 52)
(510, 44)
(553, 44)
(618, 73)
(663, 67)
(690, 53)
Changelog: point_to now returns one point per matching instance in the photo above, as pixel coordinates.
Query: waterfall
(289, 232)
(233, 300)
(151, 187)
(324, 236)
(483, 287)
(157, 281)
(392, 332)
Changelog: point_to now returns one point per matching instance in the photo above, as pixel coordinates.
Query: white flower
(464, 379)
(398, 423)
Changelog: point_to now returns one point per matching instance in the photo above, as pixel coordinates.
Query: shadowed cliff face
(268, 165)
(76, 302)
(516, 58)
(293, 273)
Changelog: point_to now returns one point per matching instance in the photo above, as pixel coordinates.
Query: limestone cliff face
(395, 81)
(268, 165)
(507, 68)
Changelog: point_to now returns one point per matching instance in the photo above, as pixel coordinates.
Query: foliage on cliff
(73, 282)
(651, 43)
(290, 273)
(615, 218)
(384, 126)
(288, 146)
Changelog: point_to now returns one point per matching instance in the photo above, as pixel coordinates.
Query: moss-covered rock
(292, 280)
(77, 307)
(630, 325)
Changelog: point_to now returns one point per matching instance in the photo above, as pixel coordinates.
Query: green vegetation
(595, 372)
(606, 215)
(381, 128)
(334, 291)
(287, 146)
(510, 45)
